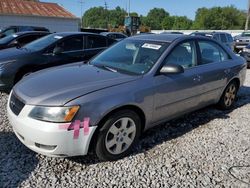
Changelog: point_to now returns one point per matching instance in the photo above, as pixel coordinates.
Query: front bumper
(48, 138)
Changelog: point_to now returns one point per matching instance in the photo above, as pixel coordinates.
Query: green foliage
(215, 18)
(98, 17)
(219, 18)
(155, 18)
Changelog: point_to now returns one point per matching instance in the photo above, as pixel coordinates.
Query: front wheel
(229, 96)
(118, 135)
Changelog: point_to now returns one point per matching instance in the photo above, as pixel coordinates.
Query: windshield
(245, 34)
(131, 56)
(8, 39)
(43, 42)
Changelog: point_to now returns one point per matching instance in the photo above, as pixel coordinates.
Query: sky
(174, 7)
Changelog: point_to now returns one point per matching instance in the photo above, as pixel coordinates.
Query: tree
(155, 18)
(181, 22)
(98, 17)
(219, 18)
(167, 23)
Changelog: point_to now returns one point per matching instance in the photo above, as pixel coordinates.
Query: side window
(112, 36)
(230, 38)
(223, 38)
(216, 37)
(25, 28)
(184, 54)
(96, 42)
(9, 32)
(27, 39)
(71, 44)
(118, 36)
(211, 52)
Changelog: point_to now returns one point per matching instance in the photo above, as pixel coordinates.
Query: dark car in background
(51, 50)
(172, 32)
(14, 29)
(20, 39)
(241, 41)
(246, 54)
(114, 35)
(222, 37)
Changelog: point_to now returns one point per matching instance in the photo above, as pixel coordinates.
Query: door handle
(197, 78)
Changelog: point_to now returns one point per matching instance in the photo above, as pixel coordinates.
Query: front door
(177, 93)
(71, 50)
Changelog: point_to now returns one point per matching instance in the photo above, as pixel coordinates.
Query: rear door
(214, 66)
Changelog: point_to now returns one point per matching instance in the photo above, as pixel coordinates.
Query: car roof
(65, 34)
(112, 33)
(159, 37)
(210, 33)
(31, 32)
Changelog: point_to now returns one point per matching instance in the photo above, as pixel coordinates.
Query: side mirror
(57, 50)
(172, 69)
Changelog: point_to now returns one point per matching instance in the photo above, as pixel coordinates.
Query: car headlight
(54, 114)
(4, 63)
(237, 40)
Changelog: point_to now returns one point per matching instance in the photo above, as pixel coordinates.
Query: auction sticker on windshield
(151, 46)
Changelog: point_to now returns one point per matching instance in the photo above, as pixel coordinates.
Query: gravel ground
(208, 148)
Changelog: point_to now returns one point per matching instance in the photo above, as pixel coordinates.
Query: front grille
(16, 105)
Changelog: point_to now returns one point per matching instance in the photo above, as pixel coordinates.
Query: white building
(30, 13)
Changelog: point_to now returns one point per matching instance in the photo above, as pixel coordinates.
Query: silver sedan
(135, 85)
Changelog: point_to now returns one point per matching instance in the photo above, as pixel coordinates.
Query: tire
(115, 141)
(228, 97)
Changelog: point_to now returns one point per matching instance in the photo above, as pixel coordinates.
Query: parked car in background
(20, 39)
(132, 86)
(241, 41)
(222, 37)
(246, 54)
(172, 32)
(51, 50)
(14, 29)
(114, 35)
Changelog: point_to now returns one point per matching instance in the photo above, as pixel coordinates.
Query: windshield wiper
(106, 68)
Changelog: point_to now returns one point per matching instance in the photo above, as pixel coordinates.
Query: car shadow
(176, 128)
(16, 161)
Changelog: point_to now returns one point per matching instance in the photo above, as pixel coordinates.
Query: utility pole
(128, 7)
(81, 4)
(248, 15)
(107, 16)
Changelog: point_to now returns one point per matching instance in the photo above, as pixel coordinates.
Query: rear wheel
(118, 135)
(229, 96)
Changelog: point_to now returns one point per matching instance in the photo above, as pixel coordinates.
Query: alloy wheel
(120, 136)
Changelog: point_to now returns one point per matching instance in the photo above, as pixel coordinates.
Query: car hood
(242, 38)
(13, 53)
(59, 85)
